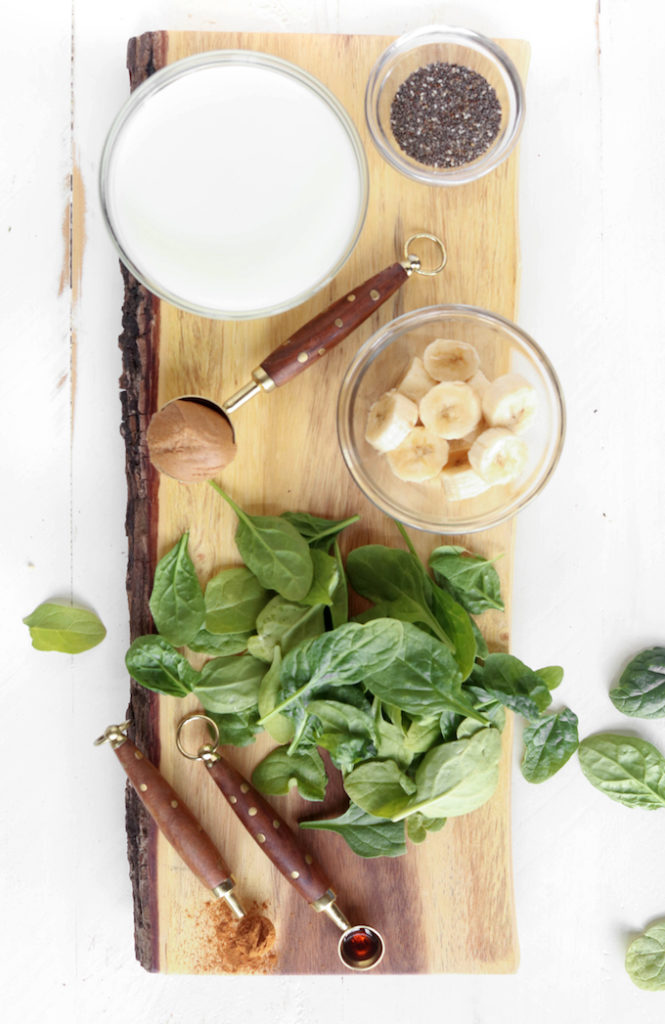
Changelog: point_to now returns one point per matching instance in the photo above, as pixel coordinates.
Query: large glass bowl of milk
(234, 184)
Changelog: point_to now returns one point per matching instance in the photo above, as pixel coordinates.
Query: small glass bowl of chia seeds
(444, 106)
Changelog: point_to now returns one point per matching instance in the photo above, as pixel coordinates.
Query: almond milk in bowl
(234, 184)
(451, 419)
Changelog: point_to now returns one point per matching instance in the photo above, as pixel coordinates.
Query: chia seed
(445, 115)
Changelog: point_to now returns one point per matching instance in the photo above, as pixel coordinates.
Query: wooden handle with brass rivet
(269, 830)
(174, 819)
(311, 341)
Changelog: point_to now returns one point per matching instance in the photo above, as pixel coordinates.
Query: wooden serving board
(447, 906)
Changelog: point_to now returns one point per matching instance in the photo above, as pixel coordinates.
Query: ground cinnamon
(229, 946)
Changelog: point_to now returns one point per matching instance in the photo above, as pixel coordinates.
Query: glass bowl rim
(187, 65)
(380, 340)
(445, 34)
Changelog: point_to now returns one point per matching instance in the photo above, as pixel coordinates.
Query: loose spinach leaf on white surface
(640, 692)
(645, 958)
(64, 628)
(627, 769)
(548, 743)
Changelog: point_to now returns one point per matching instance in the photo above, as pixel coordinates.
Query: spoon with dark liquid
(360, 947)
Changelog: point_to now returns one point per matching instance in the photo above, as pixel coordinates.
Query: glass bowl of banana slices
(451, 419)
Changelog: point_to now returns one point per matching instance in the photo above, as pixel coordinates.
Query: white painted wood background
(590, 557)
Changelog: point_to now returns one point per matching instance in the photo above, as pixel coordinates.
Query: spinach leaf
(285, 623)
(325, 579)
(456, 778)
(548, 743)
(469, 727)
(64, 628)
(218, 643)
(508, 680)
(379, 787)
(645, 958)
(345, 750)
(342, 656)
(236, 729)
(319, 533)
(230, 685)
(336, 716)
(449, 722)
(626, 769)
(482, 650)
(274, 551)
(395, 581)
(641, 689)
(279, 772)
(280, 728)
(471, 580)
(155, 663)
(233, 599)
(391, 743)
(346, 732)
(417, 826)
(367, 835)
(339, 605)
(422, 679)
(457, 625)
(422, 734)
(552, 676)
(176, 602)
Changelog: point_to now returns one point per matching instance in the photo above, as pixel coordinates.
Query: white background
(589, 562)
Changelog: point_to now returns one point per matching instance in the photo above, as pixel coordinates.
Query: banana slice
(459, 480)
(416, 382)
(498, 455)
(445, 359)
(479, 383)
(390, 419)
(510, 401)
(450, 409)
(419, 457)
(462, 444)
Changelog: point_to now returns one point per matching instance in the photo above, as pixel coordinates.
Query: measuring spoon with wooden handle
(360, 947)
(305, 347)
(173, 818)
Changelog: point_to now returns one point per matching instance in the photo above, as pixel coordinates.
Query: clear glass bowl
(234, 184)
(379, 366)
(460, 46)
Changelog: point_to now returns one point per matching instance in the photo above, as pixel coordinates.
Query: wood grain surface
(448, 905)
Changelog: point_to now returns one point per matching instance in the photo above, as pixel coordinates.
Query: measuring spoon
(172, 430)
(173, 817)
(360, 947)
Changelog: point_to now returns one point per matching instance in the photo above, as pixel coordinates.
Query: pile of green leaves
(626, 768)
(406, 699)
(631, 771)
